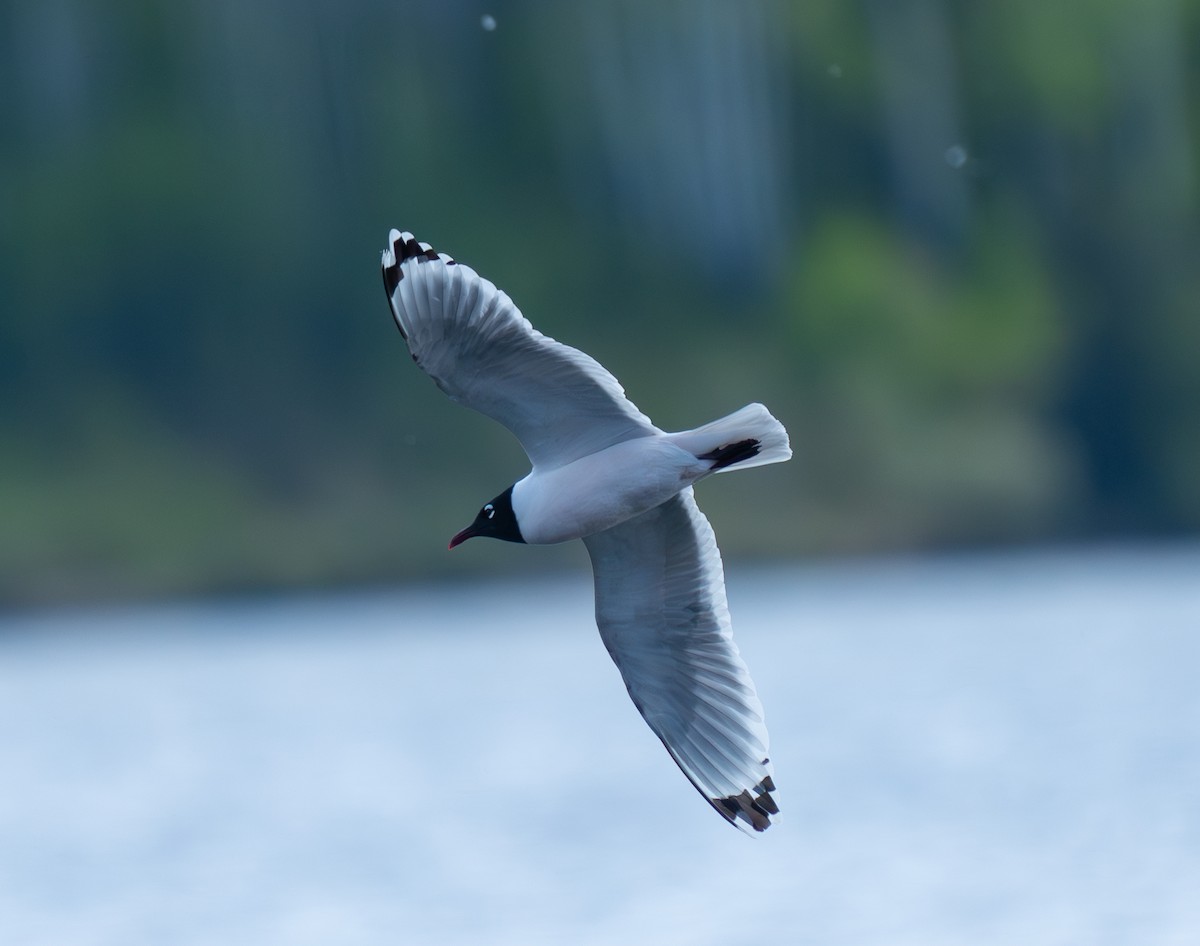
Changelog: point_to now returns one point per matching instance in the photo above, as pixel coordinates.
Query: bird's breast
(600, 491)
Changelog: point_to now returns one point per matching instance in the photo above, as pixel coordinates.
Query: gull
(604, 473)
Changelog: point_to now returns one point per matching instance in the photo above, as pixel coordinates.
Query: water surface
(986, 749)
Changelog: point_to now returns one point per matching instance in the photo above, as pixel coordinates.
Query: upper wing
(469, 337)
(660, 605)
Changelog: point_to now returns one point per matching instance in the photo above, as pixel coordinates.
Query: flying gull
(602, 472)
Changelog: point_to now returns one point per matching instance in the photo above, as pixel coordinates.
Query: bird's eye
(489, 510)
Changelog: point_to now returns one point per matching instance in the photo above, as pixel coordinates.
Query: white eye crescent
(489, 510)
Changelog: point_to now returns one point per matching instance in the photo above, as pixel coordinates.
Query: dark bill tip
(462, 537)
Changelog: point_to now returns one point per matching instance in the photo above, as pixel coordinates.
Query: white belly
(599, 491)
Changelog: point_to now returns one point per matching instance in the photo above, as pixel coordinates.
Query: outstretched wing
(469, 337)
(661, 609)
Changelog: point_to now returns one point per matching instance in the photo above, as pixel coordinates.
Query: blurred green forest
(953, 246)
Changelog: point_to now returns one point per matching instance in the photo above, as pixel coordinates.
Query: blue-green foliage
(953, 247)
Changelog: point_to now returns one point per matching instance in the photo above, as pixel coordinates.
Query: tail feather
(745, 438)
(732, 453)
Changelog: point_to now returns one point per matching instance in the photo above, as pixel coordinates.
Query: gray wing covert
(662, 614)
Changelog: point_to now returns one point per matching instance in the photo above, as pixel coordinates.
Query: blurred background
(247, 697)
(953, 246)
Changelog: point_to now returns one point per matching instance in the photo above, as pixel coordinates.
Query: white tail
(762, 437)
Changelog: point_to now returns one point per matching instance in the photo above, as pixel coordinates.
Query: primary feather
(473, 341)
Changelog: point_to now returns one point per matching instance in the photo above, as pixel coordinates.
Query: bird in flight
(604, 473)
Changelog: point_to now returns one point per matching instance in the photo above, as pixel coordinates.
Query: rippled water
(984, 749)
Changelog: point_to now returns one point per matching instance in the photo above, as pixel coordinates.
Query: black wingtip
(391, 278)
(396, 253)
(401, 248)
(754, 809)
